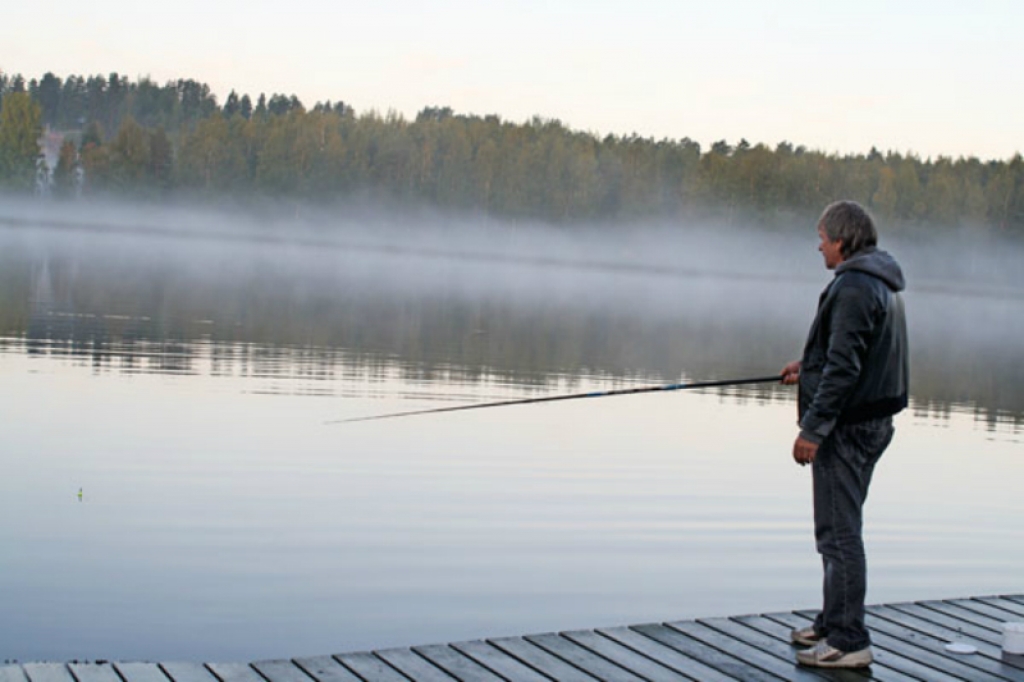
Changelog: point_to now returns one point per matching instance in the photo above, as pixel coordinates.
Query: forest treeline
(141, 139)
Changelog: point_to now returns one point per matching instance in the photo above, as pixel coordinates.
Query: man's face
(831, 250)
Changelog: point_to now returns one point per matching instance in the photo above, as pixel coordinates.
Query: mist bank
(961, 262)
(435, 293)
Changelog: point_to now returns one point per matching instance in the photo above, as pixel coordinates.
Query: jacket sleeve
(852, 326)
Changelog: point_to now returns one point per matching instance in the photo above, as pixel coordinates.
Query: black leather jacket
(854, 366)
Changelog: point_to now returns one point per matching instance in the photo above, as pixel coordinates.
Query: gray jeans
(842, 473)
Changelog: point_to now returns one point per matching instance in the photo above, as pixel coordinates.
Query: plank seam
(479, 663)
(256, 670)
(523, 661)
(443, 671)
(767, 652)
(753, 631)
(1016, 608)
(390, 665)
(164, 671)
(504, 653)
(719, 649)
(709, 664)
(561, 635)
(954, 606)
(631, 650)
(559, 657)
(1008, 612)
(934, 617)
(971, 662)
(921, 628)
(295, 662)
(125, 678)
(337, 659)
(651, 658)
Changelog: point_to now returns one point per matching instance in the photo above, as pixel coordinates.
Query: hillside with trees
(140, 139)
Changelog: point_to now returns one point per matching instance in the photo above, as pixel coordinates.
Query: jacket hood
(876, 262)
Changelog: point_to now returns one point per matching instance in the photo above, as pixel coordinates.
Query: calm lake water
(182, 381)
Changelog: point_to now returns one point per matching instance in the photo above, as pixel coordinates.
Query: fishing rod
(574, 396)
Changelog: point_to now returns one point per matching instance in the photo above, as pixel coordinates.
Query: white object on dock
(961, 648)
(1013, 638)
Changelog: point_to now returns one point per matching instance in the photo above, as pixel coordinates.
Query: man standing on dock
(852, 378)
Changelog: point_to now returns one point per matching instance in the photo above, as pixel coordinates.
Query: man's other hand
(804, 451)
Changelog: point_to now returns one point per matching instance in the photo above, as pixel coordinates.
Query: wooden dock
(909, 644)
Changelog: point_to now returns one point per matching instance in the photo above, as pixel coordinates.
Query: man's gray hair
(850, 222)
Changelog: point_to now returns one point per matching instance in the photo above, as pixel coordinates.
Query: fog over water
(645, 299)
(180, 368)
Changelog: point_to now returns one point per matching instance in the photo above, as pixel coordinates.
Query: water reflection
(484, 326)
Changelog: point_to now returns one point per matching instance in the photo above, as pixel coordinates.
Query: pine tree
(20, 130)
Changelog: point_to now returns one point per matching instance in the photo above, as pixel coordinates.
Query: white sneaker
(821, 655)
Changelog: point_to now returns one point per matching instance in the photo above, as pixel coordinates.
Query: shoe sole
(837, 664)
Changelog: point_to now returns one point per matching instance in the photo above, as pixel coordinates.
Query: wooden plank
(1015, 610)
(12, 673)
(94, 672)
(791, 621)
(1018, 598)
(413, 666)
(47, 672)
(939, 661)
(497, 660)
(456, 664)
(234, 672)
(582, 658)
(541, 660)
(780, 632)
(710, 656)
(369, 667)
(966, 629)
(141, 672)
(664, 655)
(984, 609)
(623, 656)
(882, 655)
(786, 669)
(326, 669)
(188, 672)
(969, 667)
(966, 615)
(281, 671)
(947, 634)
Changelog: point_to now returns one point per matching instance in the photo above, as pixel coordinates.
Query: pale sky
(935, 77)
